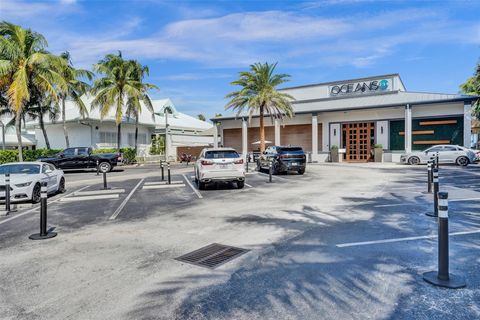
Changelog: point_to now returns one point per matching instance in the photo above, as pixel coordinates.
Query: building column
(277, 132)
(314, 137)
(467, 124)
(215, 134)
(408, 128)
(244, 138)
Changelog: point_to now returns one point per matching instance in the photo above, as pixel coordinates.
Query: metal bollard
(98, 168)
(443, 278)
(429, 179)
(270, 169)
(435, 194)
(44, 233)
(161, 166)
(7, 193)
(437, 162)
(168, 173)
(247, 158)
(105, 181)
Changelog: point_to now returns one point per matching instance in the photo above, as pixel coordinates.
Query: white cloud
(20, 9)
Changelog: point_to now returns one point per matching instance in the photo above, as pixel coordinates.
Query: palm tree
(74, 89)
(201, 117)
(134, 107)
(25, 64)
(40, 106)
(472, 87)
(118, 84)
(259, 95)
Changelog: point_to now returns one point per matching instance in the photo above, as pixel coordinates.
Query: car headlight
(22, 185)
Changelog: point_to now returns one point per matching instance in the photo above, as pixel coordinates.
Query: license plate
(223, 165)
(294, 164)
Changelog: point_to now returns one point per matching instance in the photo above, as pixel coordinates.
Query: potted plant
(378, 153)
(334, 153)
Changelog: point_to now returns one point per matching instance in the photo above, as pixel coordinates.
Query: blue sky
(196, 48)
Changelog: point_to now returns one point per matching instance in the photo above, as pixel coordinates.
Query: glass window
(20, 169)
(435, 149)
(108, 137)
(51, 167)
(83, 151)
(221, 154)
(449, 148)
(287, 149)
(142, 139)
(69, 152)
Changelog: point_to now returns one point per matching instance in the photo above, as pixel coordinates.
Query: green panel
(452, 132)
(397, 142)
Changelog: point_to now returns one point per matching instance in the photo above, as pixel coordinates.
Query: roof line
(343, 81)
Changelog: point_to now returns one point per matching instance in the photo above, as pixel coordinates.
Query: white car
(446, 154)
(25, 179)
(219, 164)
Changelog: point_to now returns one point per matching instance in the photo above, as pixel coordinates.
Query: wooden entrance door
(359, 138)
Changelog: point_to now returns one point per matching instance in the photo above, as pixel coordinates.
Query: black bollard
(105, 181)
(161, 166)
(270, 169)
(7, 193)
(98, 167)
(435, 194)
(44, 233)
(168, 173)
(429, 178)
(443, 278)
(247, 158)
(437, 162)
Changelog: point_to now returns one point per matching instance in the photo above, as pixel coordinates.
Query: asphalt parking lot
(343, 241)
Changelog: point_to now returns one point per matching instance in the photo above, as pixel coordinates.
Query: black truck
(83, 158)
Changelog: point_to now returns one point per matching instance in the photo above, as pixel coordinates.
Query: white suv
(219, 164)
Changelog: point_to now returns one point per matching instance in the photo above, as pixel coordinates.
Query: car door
(432, 152)
(83, 158)
(449, 154)
(67, 159)
(48, 172)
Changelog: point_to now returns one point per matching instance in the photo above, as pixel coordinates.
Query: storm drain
(212, 255)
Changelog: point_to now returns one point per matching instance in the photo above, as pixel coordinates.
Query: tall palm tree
(259, 95)
(118, 84)
(134, 106)
(40, 106)
(74, 89)
(25, 64)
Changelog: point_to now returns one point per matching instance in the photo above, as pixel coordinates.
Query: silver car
(446, 154)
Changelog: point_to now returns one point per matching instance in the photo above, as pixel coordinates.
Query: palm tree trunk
(119, 136)
(65, 133)
(42, 126)
(18, 126)
(136, 133)
(262, 131)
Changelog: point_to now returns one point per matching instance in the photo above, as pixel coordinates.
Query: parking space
(338, 240)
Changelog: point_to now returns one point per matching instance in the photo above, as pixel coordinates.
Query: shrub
(128, 153)
(378, 146)
(28, 155)
(8, 156)
(334, 147)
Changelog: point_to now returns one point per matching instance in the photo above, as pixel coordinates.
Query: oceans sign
(362, 87)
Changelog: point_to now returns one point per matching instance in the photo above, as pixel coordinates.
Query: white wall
(79, 135)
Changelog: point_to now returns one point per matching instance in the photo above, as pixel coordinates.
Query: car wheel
(414, 161)
(462, 161)
(61, 186)
(201, 185)
(105, 167)
(36, 193)
(240, 184)
(301, 171)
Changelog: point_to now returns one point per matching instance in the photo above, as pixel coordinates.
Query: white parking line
(161, 182)
(248, 185)
(95, 192)
(365, 243)
(466, 199)
(124, 202)
(38, 207)
(93, 197)
(164, 186)
(199, 195)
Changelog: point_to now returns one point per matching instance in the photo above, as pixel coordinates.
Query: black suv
(284, 159)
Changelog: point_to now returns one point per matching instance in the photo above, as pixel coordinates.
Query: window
(83, 151)
(70, 152)
(221, 154)
(449, 148)
(20, 169)
(46, 168)
(142, 139)
(108, 137)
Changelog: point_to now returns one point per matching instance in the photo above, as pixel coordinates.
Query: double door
(359, 139)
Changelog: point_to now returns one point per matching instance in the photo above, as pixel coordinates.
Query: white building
(356, 114)
(93, 131)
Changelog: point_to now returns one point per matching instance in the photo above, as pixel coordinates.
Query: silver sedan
(446, 154)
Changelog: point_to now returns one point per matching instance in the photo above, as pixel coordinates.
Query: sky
(194, 49)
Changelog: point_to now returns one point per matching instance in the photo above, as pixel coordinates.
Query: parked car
(283, 158)
(219, 164)
(446, 154)
(83, 158)
(25, 179)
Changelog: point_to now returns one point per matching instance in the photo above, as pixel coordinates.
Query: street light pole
(166, 134)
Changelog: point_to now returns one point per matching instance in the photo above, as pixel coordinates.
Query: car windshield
(290, 149)
(220, 154)
(20, 169)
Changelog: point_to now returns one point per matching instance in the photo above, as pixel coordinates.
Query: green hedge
(28, 155)
(128, 153)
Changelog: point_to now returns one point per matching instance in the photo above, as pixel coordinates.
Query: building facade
(355, 115)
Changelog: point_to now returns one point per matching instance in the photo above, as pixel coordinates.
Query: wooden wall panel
(194, 150)
(298, 135)
(254, 135)
(232, 138)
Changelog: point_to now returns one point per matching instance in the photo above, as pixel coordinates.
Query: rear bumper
(292, 165)
(223, 175)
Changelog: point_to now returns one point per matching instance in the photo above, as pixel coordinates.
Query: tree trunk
(18, 126)
(67, 142)
(262, 131)
(119, 136)
(42, 126)
(136, 133)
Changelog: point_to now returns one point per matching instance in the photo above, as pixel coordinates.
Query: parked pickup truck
(83, 158)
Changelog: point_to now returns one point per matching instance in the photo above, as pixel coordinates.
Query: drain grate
(212, 255)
